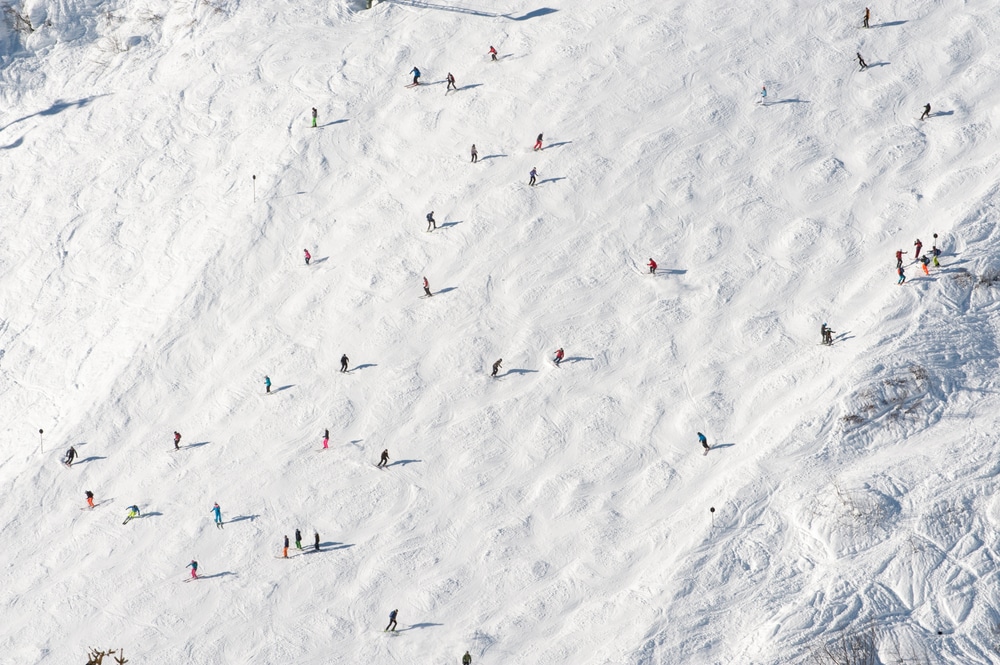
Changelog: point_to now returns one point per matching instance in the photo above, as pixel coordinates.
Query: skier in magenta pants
(326, 438)
(194, 569)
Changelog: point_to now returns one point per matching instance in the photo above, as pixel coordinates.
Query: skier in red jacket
(493, 54)
(308, 256)
(559, 355)
(918, 245)
(652, 267)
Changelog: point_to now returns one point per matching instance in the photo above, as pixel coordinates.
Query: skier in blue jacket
(416, 76)
(702, 440)
(392, 621)
(267, 383)
(218, 515)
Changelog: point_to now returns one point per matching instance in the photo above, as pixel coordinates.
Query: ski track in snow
(556, 515)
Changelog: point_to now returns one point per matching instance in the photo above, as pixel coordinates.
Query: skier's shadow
(534, 13)
(671, 271)
(335, 122)
(404, 462)
(447, 289)
(542, 182)
(197, 445)
(320, 260)
(15, 144)
(575, 359)
(365, 366)
(878, 64)
(890, 24)
(556, 145)
(843, 337)
(447, 224)
(329, 547)
(92, 458)
(471, 85)
(153, 514)
(934, 115)
(242, 518)
(419, 625)
(214, 575)
(787, 101)
(483, 159)
(278, 390)
(723, 445)
(520, 371)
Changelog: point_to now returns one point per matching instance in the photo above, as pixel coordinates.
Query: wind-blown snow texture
(554, 515)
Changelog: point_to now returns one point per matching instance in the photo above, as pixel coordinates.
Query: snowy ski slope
(557, 516)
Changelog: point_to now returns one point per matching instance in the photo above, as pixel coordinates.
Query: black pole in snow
(40, 432)
(255, 189)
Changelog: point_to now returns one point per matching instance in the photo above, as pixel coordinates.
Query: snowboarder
(466, 659)
(284, 551)
(493, 54)
(496, 367)
(326, 438)
(902, 275)
(475, 154)
(451, 83)
(919, 245)
(868, 15)
(133, 511)
(826, 334)
(652, 267)
(703, 441)
(924, 261)
(416, 76)
(427, 288)
(763, 95)
(431, 224)
(861, 61)
(392, 621)
(90, 498)
(538, 142)
(70, 456)
(927, 112)
(218, 515)
(559, 355)
(935, 252)
(194, 569)
(533, 174)
(298, 539)
(315, 113)
(316, 541)
(344, 360)
(308, 256)
(385, 458)
(177, 440)
(899, 258)
(267, 383)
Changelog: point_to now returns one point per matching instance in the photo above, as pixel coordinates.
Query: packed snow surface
(160, 180)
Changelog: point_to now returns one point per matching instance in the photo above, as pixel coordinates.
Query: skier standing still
(496, 367)
(315, 113)
(392, 620)
(919, 245)
(763, 95)
(466, 659)
(218, 515)
(899, 258)
(826, 334)
(343, 362)
(427, 288)
(308, 256)
(298, 539)
(935, 252)
(923, 264)
(316, 541)
(431, 224)
(902, 275)
(475, 154)
(868, 15)
(284, 551)
(177, 440)
(267, 383)
(326, 438)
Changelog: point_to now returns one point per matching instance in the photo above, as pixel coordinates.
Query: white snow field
(553, 515)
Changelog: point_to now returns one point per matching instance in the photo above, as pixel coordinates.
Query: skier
(763, 95)
(703, 441)
(343, 362)
(861, 61)
(496, 367)
(493, 54)
(868, 15)
(902, 275)
(133, 511)
(826, 334)
(559, 355)
(466, 659)
(919, 245)
(284, 551)
(935, 252)
(431, 224)
(298, 539)
(899, 258)
(475, 154)
(316, 541)
(308, 256)
(416, 76)
(533, 174)
(90, 498)
(392, 621)
(652, 267)
(70, 456)
(326, 438)
(538, 142)
(451, 83)
(194, 569)
(385, 458)
(177, 440)
(427, 288)
(924, 261)
(218, 515)
(927, 112)
(315, 113)
(267, 383)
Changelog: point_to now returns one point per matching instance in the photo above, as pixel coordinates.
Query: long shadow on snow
(278, 390)
(890, 24)
(535, 13)
(214, 575)
(242, 518)
(365, 366)
(335, 122)
(467, 87)
(555, 145)
(723, 445)
(788, 101)
(934, 115)
(58, 107)
(878, 64)
(92, 458)
(447, 8)
(447, 289)
(15, 144)
(418, 625)
(575, 359)
(483, 159)
(520, 371)
(447, 224)
(197, 445)
(320, 260)
(403, 462)
(153, 514)
(542, 182)
(329, 547)
(666, 272)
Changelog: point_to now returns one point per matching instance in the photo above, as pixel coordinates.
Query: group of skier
(918, 258)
